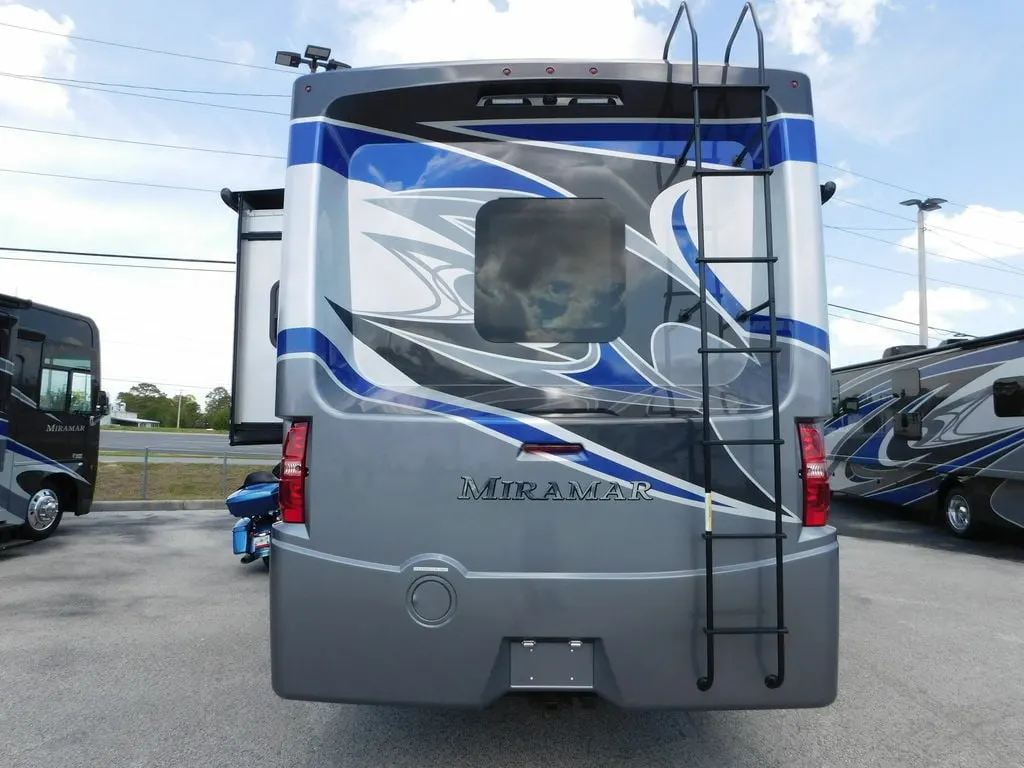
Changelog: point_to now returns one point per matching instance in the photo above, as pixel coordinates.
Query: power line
(999, 268)
(142, 48)
(136, 381)
(997, 214)
(136, 142)
(877, 229)
(74, 81)
(212, 60)
(122, 266)
(894, 319)
(101, 255)
(931, 227)
(883, 327)
(109, 181)
(175, 259)
(213, 105)
(930, 279)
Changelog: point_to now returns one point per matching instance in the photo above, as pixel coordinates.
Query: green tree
(149, 402)
(190, 412)
(218, 408)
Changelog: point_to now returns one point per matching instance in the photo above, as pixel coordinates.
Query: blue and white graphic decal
(960, 432)
(407, 313)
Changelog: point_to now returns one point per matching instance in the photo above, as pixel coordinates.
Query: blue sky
(908, 94)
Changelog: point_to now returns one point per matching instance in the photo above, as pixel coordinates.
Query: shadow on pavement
(861, 519)
(514, 734)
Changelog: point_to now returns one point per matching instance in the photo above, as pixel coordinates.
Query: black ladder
(712, 631)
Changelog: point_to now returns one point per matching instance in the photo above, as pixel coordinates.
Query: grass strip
(124, 482)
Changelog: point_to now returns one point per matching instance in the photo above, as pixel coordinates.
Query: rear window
(550, 270)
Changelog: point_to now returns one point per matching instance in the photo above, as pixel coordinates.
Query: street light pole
(179, 410)
(929, 204)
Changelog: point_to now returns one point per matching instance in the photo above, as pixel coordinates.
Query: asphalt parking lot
(137, 639)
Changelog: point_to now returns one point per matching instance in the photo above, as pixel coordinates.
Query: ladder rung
(731, 86)
(739, 260)
(733, 171)
(743, 536)
(746, 441)
(739, 350)
(747, 631)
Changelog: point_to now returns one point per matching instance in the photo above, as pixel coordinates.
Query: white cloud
(844, 180)
(856, 338)
(241, 51)
(872, 91)
(947, 306)
(163, 326)
(803, 25)
(393, 31)
(34, 54)
(977, 233)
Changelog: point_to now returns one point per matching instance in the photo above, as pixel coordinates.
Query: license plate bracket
(551, 665)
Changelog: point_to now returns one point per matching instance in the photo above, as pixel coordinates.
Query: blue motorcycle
(255, 504)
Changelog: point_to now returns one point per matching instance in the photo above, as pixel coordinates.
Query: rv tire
(45, 511)
(959, 513)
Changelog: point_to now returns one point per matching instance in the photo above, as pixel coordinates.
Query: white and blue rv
(939, 430)
(546, 345)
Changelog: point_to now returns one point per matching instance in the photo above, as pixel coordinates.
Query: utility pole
(929, 204)
(179, 409)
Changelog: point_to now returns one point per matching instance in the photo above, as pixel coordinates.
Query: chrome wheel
(43, 510)
(958, 513)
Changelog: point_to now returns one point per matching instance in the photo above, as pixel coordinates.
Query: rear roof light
(562, 448)
(814, 471)
(292, 489)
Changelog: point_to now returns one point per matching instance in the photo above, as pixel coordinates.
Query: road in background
(932, 664)
(120, 440)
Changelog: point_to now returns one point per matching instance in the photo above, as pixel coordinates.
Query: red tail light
(292, 489)
(814, 469)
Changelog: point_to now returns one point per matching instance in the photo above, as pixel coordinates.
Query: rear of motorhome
(552, 365)
(936, 429)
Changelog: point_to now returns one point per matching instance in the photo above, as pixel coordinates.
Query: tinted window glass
(1008, 397)
(81, 392)
(53, 394)
(6, 363)
(69, 341)
(27, 361)
(550, 270)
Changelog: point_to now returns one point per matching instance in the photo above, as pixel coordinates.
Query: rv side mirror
(827, 190)
(102, 403)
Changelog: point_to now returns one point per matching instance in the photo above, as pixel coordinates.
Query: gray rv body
(438, 563)
(935, 428)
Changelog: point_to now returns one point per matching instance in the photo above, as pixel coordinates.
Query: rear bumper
(343, 631)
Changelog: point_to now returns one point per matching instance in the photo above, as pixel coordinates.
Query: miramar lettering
(65, 428)
(498, 489)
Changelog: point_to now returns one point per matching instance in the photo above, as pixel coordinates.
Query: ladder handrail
(748, 6)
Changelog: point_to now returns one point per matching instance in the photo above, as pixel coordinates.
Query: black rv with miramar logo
(50, 410)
